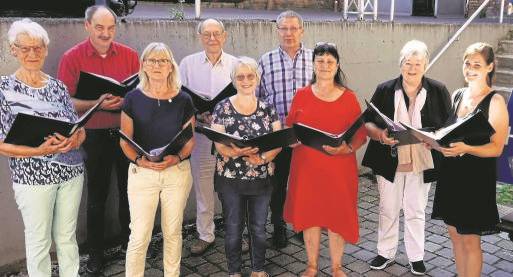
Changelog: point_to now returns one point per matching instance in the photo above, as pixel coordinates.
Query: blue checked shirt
(282, 76)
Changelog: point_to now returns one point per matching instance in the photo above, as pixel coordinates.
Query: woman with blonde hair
(152, 115)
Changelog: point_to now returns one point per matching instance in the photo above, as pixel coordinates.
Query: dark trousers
(237, 210)
(102, 153)
(280, 180)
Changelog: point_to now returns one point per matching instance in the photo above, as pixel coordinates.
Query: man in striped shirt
(283, 71)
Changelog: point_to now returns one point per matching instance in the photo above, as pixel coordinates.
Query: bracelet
(180, 158)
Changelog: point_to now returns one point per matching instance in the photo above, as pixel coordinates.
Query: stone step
(505, 61)
(505, 91)
(506, 46)
(504, 77)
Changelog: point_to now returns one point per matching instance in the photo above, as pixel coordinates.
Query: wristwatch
(263, 157)
(138, 157)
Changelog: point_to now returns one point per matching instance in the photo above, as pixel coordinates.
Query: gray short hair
(29, 28)
(201, 25)
(289, 14)
(248, 62)
(89, 12)
(414, 48)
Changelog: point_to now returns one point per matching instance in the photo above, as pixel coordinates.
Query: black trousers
(102, 153)
(280, 180)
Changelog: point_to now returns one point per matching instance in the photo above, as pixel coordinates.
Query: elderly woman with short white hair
(404, 173)
(48, 179)
(242, 177)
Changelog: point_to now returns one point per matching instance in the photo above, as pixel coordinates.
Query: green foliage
(505, 195)
(177, 12)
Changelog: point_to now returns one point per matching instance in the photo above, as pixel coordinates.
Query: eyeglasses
(322, 43)
(284, 30)
(160, 62)
(329, 63)
(207, 36)
(26, 49)
(241, 77)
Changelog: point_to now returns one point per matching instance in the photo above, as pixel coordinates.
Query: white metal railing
(460, 30)
(197, 8)
(361, 7)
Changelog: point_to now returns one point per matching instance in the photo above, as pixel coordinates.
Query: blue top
(256, 124)
(156, 122)
(52, 101)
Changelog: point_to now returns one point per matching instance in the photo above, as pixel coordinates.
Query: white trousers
(203, 167)
(410, 193)
(145, 188)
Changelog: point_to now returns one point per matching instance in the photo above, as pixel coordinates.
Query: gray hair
(29, 28)
(414, 48)
(201, 25)
(247, 62)
(289, 14)
(89, 13)
(173, 80)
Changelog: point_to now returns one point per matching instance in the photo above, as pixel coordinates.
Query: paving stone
(500, 273)
(216, 258)
(377, 273)
(489, 258)
(291, 249)
(273, 269)
(488, 269)
(296, 267)
(368, 245)
(287, 274)
(358, 267)
(194, 261)
(505, 255)
(396, 269)
(432, 247)
(364, 255)
(439, 272)
(505, 244)
(436, 238)
(445, 252)
(283, 260)
(440, 262)
(505, 266)
(207, 269)
(113, 269)
(490, 248)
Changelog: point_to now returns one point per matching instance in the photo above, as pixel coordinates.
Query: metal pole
(361, 8)
(375, 10)
(501, 16)
(460, 30)
(392, 10)
(435, 13)
(197, 8)
(345, 9)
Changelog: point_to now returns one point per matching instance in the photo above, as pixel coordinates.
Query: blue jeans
(237, 210)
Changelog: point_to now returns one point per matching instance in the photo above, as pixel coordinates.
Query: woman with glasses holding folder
(323, 185)
(153, 114)
(465, 192)
(242, 177)
(404, 173)
(48, 179)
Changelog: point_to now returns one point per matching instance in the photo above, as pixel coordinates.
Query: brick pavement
(290, 261)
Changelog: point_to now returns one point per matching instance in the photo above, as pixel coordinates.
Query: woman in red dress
(323, 186)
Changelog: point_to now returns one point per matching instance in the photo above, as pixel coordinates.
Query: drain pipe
(197, 8)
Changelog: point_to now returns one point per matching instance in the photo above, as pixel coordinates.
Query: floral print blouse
(248, 126)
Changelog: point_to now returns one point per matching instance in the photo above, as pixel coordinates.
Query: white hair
(29, 28)
(201, 25)
(414, 48)
(289, 14)
(247, 62)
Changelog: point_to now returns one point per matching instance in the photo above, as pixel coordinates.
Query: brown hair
(486, 51)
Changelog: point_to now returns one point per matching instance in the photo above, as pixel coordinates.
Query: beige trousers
(145, 188)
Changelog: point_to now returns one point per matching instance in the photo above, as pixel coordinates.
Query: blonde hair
(247, 62)
(173, 80)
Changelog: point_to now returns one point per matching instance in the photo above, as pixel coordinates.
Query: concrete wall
(402, 7)
(369, 56)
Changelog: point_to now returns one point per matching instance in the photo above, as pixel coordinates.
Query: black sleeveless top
(465, 191)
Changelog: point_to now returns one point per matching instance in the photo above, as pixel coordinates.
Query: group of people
(310, 189)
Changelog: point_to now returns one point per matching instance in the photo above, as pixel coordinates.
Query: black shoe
(418, 268)
(380, 262)
(95, 263)
(279, 236)
(299, 237)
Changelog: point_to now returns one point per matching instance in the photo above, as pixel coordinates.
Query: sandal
(310, 271)
(337, 271)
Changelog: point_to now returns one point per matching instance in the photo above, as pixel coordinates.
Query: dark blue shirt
(156, 122)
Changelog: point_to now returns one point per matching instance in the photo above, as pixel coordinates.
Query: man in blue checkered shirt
(283, 71)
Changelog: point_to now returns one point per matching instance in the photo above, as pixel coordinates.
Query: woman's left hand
(254, 159)
(70, 143)
(343, 149)
(455, 149)
(169, 161)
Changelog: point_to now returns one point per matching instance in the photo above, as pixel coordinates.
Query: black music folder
(31, 130)
(172, 148)
(473, 125)
(280, 138)
(316, 138)
(395, 130)
(91, 86)
(203, 103)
